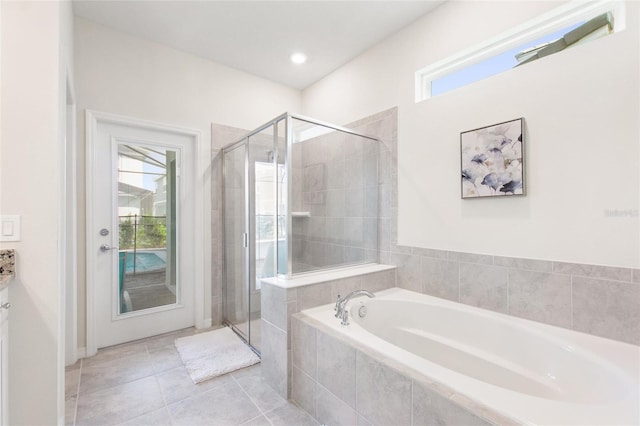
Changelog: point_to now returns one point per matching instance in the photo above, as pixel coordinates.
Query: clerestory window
(567, 26)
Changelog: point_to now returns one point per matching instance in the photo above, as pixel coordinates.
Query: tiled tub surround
(460, 366)
(283, 298)
(599, 300)
(7, 267)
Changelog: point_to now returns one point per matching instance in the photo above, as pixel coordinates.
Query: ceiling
(259, 36)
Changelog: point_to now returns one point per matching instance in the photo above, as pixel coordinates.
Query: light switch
(7, 228)
(10, 229)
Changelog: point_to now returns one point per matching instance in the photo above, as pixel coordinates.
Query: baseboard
(82, 352)
(206, 323)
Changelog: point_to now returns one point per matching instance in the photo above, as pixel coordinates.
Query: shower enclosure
(299, 196)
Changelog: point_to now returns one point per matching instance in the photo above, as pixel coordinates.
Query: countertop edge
(5, 280)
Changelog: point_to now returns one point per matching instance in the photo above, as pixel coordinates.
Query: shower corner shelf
(300, 214)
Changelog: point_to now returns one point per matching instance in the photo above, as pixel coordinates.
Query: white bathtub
(526, 371)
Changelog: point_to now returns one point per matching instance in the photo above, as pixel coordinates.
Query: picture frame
(492, 160)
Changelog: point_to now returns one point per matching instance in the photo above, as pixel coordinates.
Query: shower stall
(299, 196)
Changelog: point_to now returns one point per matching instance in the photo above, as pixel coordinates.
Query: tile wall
(334, 178)
(599, 300)
(279, 304)
(327, 370)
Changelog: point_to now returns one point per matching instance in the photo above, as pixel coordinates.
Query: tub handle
(362, 311)
(345, 318)
(335, 308)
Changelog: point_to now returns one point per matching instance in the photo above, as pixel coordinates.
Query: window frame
(555, 20)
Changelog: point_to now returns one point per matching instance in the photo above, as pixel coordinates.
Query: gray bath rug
(211, 354)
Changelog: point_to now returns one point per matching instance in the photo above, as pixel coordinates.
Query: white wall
(582, 129)
(125, 75)
(36, 41)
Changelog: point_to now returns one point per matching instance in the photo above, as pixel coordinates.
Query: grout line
(249, 396)
(269, 411)
(316, 391)
(75, 408)
(162, 391)
(154, 374)
(459, 279)
(355, 386)
(256, 417)
(411, 405)
(571, 301)
(508, 293)
(164, 397)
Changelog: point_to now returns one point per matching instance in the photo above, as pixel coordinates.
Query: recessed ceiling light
(298, 58)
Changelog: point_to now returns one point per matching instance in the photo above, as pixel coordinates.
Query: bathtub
(526, 372)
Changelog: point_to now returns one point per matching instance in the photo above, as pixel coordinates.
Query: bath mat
(211, 354)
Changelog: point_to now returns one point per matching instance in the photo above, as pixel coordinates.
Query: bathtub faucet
(341, 304)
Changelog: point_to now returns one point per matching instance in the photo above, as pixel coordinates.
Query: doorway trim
(202, 293)
(69, 226)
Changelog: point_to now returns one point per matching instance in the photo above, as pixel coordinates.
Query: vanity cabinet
(4, 376)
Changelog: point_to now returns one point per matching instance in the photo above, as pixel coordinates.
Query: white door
(140, 230)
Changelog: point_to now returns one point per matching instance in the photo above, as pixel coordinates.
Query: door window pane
(147, 227)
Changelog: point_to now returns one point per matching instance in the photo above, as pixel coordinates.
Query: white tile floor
(145, 383)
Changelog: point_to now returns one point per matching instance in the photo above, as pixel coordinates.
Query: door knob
(107, 247)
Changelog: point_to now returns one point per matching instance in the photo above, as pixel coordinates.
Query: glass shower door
(235, 290)
(261, 224)
(252, 177)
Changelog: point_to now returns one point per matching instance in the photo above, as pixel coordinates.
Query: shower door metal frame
(250, 198)
(243, 143)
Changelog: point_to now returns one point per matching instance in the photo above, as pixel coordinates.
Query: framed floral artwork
(492, 160)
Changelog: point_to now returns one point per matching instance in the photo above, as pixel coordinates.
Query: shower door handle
(245, 240)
